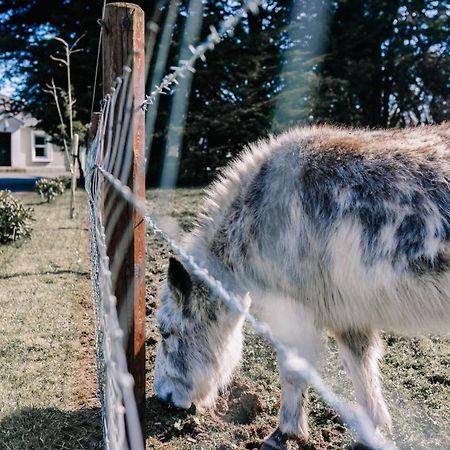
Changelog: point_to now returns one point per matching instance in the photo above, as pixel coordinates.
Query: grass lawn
(48, 381)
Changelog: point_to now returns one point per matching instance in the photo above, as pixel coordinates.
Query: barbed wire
(225, 28)
(108, 160)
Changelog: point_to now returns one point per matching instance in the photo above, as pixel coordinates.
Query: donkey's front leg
(293, 418)
(293, 415)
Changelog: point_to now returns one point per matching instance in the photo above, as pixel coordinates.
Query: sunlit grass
(47, 366)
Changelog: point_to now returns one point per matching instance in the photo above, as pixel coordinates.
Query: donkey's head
(201, 341)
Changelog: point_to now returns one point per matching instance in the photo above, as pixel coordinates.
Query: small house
(26, 148)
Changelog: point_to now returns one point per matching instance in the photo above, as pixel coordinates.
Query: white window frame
(48, 148)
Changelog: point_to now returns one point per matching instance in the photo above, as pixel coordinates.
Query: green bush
(49, 188)
(66, 180)
(14, 218)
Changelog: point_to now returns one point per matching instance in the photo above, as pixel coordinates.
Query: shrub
(14, 218)
(49, 188)
(66, 180)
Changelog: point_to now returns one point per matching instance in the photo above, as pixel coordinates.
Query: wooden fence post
(95, 119)
(123, 45)
(73, 184)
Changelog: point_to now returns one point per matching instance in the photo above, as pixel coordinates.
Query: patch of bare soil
(240, 404)
(416, 377)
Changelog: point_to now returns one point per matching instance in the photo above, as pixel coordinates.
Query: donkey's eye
(165, 335)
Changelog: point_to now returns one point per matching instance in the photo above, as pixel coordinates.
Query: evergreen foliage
(27, 28)
(386, 64)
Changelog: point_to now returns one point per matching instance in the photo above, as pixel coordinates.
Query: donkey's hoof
(276, 441)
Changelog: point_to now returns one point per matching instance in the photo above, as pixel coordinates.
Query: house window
(41, 148)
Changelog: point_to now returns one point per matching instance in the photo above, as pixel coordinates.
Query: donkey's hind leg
(360, 352)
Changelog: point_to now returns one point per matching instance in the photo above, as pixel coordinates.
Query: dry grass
(416, 378)
(47, 365)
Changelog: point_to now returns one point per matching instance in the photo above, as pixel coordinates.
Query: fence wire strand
(217, 35)
(108, 164)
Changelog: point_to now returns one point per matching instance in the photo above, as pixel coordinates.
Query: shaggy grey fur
(327, 228)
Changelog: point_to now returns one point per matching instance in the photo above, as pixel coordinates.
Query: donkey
(343, 230)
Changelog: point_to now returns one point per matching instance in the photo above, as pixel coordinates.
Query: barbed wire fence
(120, 419)
(109, 164)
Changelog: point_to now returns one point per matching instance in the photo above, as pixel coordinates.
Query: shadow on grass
(54, 429)
(65, 228)
(54, 204)
(35, 203)
(51, 429)
(47, 272)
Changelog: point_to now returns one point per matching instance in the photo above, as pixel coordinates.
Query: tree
(231, 101)
(420, 69)
(316, 61)
(385, 64)
(27, 33)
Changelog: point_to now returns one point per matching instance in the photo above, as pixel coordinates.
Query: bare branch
(56, 38)
(69, 102)
(77, 41)
(58, 59)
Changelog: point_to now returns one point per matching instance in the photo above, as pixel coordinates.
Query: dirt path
(48, 384)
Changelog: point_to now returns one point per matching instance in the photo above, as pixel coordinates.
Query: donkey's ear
(180, 282)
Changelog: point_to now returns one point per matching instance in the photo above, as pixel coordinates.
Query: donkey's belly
(409, 305)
